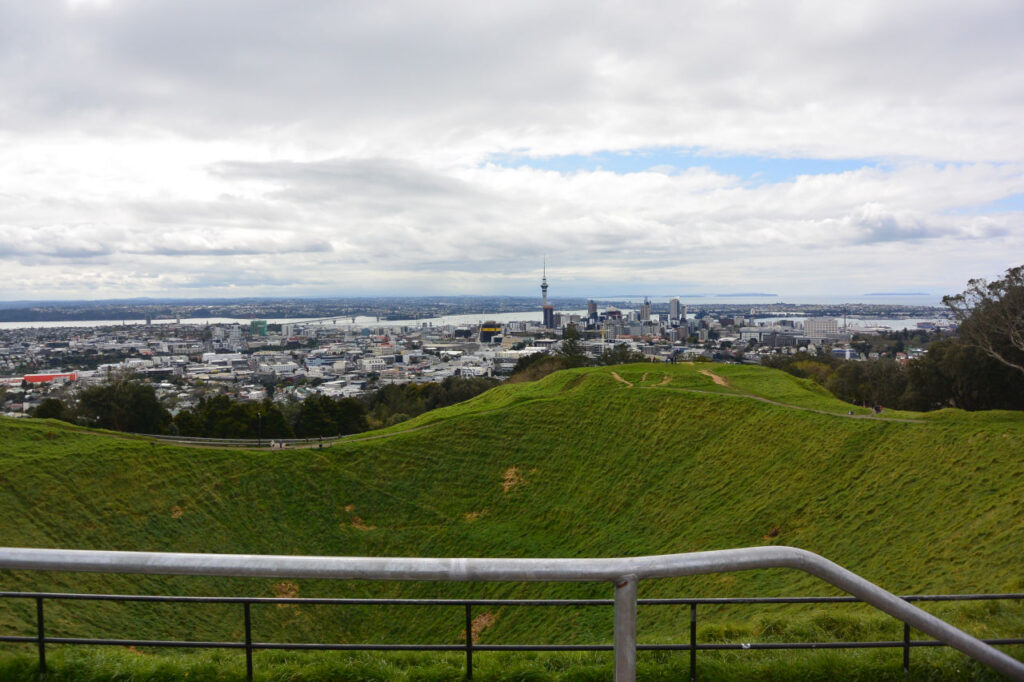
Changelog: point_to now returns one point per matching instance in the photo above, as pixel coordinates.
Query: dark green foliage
(51, 408)
(571, 350)
(123, 404)
(953, 373)
(525, 362)
(991, 316)
(316, 417)
(879, 382)
(394, 403)
(950, 374)
(537, 366)
(620, 355)
(221, 417)
(322, 416)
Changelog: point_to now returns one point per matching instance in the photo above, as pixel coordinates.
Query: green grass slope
(599, 462)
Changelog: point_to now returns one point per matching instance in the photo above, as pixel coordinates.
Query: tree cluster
(126, 404)
(122, 404)
(980, 369)
(397, 402)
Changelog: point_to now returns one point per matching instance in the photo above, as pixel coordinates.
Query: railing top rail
(409, 568)
(626, 570)
(384, 601)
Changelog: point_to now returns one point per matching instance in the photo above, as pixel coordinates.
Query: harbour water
(853, 323)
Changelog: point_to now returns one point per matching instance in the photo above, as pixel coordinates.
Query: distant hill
(611, 461)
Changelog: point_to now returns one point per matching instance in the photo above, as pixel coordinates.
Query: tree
(621, 355)
(51, 408)
(536, 366)
(123, 404)
(571, 349)
(991, 317)
(316, 417)
(956, 374)
(350, 416)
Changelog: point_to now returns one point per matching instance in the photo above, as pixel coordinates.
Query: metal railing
(465, 608)
(623, 573)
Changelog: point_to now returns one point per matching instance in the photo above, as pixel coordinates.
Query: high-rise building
(489, 330)
(592, 310)
(821, 327)
(645, 310)
(673, 310)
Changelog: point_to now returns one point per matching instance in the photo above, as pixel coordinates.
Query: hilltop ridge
(609, 461)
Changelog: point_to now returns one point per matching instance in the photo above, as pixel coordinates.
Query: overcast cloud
(159, 147)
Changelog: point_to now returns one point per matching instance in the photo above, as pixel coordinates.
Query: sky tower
(544, 284)
(546, 308)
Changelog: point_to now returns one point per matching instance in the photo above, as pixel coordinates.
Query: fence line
(623, 573)
(41, 640)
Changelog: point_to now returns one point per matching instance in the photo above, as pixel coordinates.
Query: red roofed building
(55, 378)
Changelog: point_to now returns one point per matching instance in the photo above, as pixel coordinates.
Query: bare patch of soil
(616, 376)
(176, 512)
(665, 380)
(511, 479)
(285, 590)
(473, 516)
(359, 524)
(479, 624)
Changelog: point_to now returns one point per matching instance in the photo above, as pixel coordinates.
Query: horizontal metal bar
(306, 600)
(721, 646)
(358, 647)
(673, 601)
(543, 647)
(490, 570)
(173, 643)
(823, 600)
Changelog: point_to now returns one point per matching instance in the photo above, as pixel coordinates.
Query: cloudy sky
(193, 148)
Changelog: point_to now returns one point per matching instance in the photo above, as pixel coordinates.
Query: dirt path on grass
(714, 377)
(721, 381)
(870, 417)
(618, 378)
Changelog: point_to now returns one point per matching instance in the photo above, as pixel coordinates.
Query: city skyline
(169, 149)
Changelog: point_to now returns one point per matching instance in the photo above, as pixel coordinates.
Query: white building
(821, 328)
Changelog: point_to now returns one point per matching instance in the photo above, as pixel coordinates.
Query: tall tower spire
(544, 283)
(546, 308)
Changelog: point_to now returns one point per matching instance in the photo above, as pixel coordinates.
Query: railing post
(469, 642)
(625, 628)
(693, 641)
(248, 641)
(906, 649)
(41, 637)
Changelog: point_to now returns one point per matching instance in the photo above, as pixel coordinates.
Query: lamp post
(259, 429)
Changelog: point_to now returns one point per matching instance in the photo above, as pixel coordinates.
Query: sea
(361, 322)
